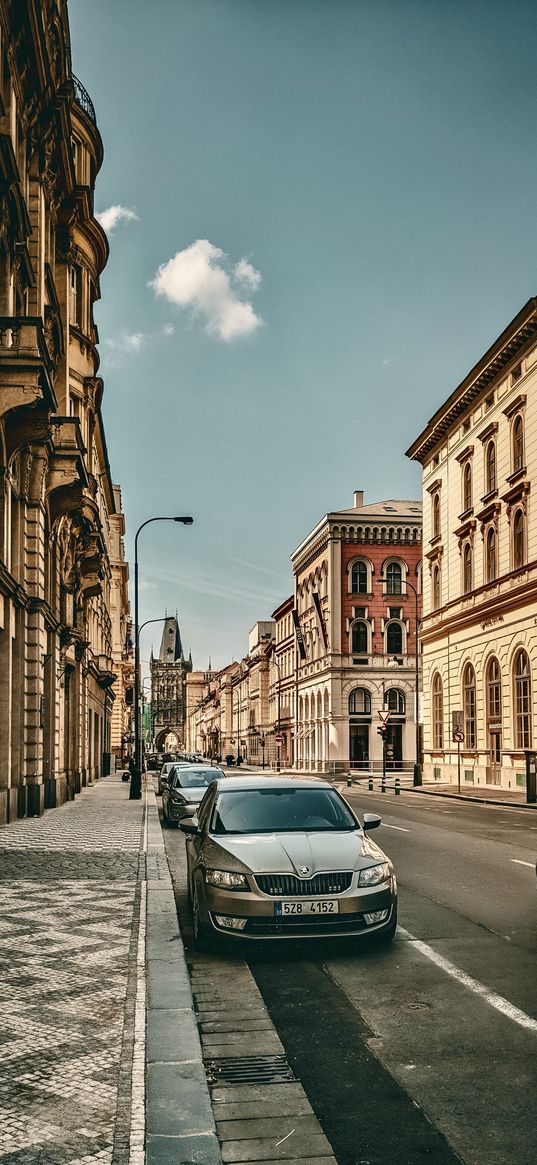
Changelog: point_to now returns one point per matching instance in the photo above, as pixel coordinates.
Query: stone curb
(474, 800)
(180, 1125)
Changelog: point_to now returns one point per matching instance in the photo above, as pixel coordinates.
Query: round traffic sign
(458, 736)
(279, 738)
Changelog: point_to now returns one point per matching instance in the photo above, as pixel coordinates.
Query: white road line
(519, 863)
(497, 1001)
(399, 827)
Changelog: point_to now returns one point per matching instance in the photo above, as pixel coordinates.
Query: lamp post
(417, 766)
(136, 779)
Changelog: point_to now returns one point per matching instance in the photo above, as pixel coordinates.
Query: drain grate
(249, 1070)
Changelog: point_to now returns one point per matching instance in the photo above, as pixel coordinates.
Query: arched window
(467, 487)
(360, 702)
(436, 515)
(490, 554)
(522, 676)
(395, 700)
(468, 692)
(394, 639)
(467, 569)
(437, 587)
(394, 579)
(519, 539)
(490, 467)
(518, 443)
(359, 579)
(438, 713)
(359, 638)
(494, 692)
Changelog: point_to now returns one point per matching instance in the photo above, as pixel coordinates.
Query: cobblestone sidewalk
(70, 886)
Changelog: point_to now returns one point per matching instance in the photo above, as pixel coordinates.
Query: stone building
(168, 695)
(57, 499)
(282, 685)
(479, 635)
(122, 722)
(357, 595)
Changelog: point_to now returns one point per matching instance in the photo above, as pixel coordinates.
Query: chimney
(358, 499)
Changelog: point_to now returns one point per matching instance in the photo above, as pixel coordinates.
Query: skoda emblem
(304, 870)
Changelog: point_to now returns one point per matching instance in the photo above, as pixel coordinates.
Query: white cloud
(110, 218)
(201, 278)
(126, 344)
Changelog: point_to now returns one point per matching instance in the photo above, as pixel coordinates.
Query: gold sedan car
(275, 857)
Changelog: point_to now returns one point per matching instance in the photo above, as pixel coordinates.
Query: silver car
(275, 857)
(185, 789)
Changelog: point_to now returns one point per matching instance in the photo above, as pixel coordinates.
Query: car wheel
(201, 935)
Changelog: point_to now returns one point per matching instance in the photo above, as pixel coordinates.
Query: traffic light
(382, 731)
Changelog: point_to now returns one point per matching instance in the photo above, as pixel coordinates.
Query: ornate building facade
(357, 599)
(479, 635)
(169, 671)
(57, 500)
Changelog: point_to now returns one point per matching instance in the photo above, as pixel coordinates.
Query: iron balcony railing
(83, 99)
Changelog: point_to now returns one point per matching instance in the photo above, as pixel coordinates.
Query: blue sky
(335, 216)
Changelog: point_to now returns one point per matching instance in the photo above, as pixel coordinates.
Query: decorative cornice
(490, 431)
(518, 403)
(466, 453)
(434, 486)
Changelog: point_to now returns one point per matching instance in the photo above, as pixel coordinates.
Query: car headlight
(373, 875)
(178, 799)
(226, 880)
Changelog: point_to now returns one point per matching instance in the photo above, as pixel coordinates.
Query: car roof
(255, 782)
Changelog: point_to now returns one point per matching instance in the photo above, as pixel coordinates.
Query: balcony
(83, 99)
(26, 364)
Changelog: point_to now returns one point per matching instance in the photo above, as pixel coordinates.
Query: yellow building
(479, 632)
(57, 500)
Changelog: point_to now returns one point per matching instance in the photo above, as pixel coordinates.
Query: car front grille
(287, 885)
(318, 924)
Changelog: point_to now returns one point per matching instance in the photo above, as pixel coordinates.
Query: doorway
(394, 745)
(359, 746)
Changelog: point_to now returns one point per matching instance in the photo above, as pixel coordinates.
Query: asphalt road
(426, 1049)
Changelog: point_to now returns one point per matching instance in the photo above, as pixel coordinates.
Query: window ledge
(469, 513)
(493, 493)
(514, 477)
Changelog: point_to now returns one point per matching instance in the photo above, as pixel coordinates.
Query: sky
(321, 213)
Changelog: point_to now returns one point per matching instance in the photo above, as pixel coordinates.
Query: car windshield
(281, 811)
(194, 778)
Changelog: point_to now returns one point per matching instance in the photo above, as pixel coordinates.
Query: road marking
(497, 1001)
(519, 863)
(399, 827)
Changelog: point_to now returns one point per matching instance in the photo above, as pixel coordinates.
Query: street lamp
(417, 766)
(136, 779)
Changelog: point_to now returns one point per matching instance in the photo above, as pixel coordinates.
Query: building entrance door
(359, 746)
(394, 746)
(494, 771)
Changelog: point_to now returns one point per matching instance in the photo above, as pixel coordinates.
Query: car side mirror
(190, 827)
(372, 820)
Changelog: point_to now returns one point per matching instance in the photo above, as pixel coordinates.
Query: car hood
(194, 795)
(285, 853)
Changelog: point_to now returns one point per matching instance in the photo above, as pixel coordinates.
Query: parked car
(152, 762)
(185, 790)
(273, 858)
(165, 772)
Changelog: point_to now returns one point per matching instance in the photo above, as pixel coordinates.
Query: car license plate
(308, 906)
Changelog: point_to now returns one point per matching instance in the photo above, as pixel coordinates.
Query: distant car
(185, 790)
(164, 773)
(152, 762)
(273, 858)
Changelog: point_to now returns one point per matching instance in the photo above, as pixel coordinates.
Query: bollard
(371, 784)
(397, 787)
(349, 781)
(383, 783)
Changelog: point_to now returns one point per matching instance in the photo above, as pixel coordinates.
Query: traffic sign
(458, 736)
(279, 738)
(384, 716)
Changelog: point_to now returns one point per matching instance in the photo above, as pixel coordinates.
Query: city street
(428, 1047)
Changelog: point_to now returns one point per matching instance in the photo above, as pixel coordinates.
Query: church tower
(168, 681)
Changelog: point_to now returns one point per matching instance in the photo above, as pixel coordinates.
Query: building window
(490, 555)
(490, 467)
(467, 569)
(522, 701)
(359, 579)
(438, 713)
(489, 402)
(394, 639)
(395, 701)
(467, 487)
(518, 444)
(394, 579)
(494, 692)
(436, 515)
(437, 600)
(359, 638)
(519, 539)
(516, 373)
(75, 296)
(360, 702)
(468, 685)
